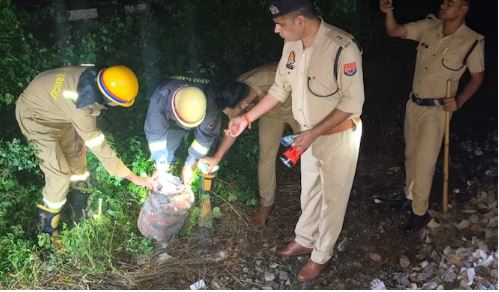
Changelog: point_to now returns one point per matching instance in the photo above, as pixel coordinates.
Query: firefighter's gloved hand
(48, 219)
(166, 182)
(208, 164)
(187, 174)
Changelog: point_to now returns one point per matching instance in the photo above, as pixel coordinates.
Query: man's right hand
(236, 126)
(385, 6)
(143, 181)
(208, 164)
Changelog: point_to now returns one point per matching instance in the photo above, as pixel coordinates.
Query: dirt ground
(236, 256)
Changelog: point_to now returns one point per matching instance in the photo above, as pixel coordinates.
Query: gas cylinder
(165, 209)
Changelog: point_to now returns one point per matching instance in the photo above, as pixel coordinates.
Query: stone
(464, 224)
(455, 260)
(486, 262)
(424, 264)
(283, 276)
(162, 258)
(404, 261)
(433, 224)
(449, 275)
(402, 279)
(480, 254)
(375, 257)
(422, 277)
(469, 275)
(269, 276)
(482, 207)
(430, 286)
(490, 233)
(342, 245)
(474, 219)
(215, 285)
(482, 271)
(377, 284)
(492, 222)
(430, 269)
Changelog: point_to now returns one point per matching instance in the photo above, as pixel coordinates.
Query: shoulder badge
(350, 69)
(291, 60)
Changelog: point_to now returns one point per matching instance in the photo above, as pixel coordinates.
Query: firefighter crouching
(58, 112)
(178, 106)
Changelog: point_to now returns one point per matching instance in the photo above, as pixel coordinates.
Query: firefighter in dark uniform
(176, 107)
(58, 113)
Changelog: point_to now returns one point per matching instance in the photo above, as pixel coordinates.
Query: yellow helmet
(189, 106)
(118, 84)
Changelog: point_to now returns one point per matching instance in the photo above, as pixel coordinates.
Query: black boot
(78, 203)
(48, 219)
(406, 208)
(417, 222)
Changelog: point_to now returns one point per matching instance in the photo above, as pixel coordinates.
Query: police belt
(345, 125)
(427, 101)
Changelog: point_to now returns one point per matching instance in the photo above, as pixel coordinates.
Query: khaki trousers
(270, 129)
(61, 151)
(327, 172)
(424, 129)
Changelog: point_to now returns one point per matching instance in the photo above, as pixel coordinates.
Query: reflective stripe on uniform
(79, 177)
(68, 94)
(203, 150)
(157, 146)
(95, 141)
(53, 207)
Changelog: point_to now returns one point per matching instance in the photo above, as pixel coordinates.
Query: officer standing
(321, 68)
(239, 97)
(446, 48)
(58, 113)
(179, 105)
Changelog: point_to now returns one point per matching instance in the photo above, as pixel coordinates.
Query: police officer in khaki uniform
(446, 48)
(58, 112)
(239, 97)
(321, 68)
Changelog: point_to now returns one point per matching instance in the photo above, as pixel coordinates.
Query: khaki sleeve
(415, 29)
(350, 79)
(86, 127)
(476, 60)
(281, 88)
(252, 84)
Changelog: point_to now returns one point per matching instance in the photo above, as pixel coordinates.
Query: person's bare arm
(392, 27)
(453, 104)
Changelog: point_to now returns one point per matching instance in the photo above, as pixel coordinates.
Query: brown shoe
(260, 217)
(293, 249)
(310, 271)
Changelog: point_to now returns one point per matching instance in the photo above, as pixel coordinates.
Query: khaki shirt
(51, 98)
(307, 73)
(440, 57)
(260, 80)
